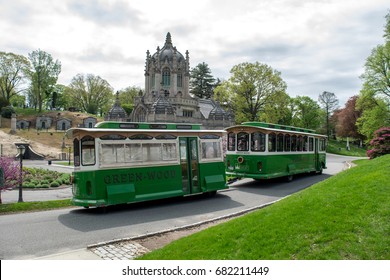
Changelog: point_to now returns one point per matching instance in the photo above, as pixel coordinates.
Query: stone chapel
(167, 99)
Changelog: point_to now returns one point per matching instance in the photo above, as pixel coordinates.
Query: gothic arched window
(166, 76)
(140, 115)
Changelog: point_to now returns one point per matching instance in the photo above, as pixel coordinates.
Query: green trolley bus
(123, 162)
(262, 151)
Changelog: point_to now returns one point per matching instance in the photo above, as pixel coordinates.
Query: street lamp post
(68, 155)
(21, 150)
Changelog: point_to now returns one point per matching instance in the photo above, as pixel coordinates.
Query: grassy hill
(50, 137)
(344, 217)
(340, 147)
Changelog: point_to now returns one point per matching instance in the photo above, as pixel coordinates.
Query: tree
(374, 97)
(126, 98)
(201, 81)
(329, 103)
(43, 75)
(347, 118)
(377, 71)
(13, 69)
(380, 145)
(90, 93)
(11, 172)
(305, 112)
(375, 113)
(387, 28)
(256, 89)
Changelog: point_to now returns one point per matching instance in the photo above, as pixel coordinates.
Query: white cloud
(317, 45)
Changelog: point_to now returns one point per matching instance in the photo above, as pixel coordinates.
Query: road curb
(228, 216)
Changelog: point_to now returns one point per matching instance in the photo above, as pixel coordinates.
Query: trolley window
(209, 136)
(138, 153)
(242, 141)
(280, 142)
(305, 144)
(272, 142)
(113, 153)
(258, 142)
(140, 137)
(322, 144)
(113, 137)
(166, 136)
(287, 143)
(299, 143)
(133, 152)
(293, 143)
(76, 152)
(311, 144)
(211, 150)
(231, 141)
(88, 151)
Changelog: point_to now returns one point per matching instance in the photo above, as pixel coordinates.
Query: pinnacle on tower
(168, 40)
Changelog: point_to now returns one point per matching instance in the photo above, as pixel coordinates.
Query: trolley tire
(210, 194)
(289, 178)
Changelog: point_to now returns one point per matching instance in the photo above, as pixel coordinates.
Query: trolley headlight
(240, 159)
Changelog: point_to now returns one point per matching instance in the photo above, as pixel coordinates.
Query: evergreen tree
(201, 81)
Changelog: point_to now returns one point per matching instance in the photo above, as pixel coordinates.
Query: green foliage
(6, 112)
(339, 147)
(12, 71)
(41, 178)
(377, 75)
(201, 81)
(305, 112)
(3, 102)
(257, 93)
(43, 76)
(90, 93)
(344, 217)
(375, 113)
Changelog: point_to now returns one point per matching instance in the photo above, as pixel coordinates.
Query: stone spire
(168, 40)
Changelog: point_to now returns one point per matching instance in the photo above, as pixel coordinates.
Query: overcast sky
(318, 45)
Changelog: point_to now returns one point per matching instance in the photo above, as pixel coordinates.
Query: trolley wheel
(289, 178)
(210, 194)
(319, 172)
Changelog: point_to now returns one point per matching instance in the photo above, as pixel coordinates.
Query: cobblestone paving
(120, 251)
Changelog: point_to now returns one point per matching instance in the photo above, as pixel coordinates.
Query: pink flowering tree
(380, 144)
(11, 172)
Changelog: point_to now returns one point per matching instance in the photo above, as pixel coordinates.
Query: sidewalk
(11, 196)
(81, 254)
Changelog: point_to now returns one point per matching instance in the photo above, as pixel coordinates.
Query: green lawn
(340, 148)
(9, 208)
(344, 217)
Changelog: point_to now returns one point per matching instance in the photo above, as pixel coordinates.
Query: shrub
(6, 112)
(380, 144)
(54, 184)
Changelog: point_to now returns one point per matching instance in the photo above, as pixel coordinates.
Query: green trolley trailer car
(119, 162)
(262, 151)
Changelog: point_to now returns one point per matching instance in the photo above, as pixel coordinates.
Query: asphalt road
(31, 235)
